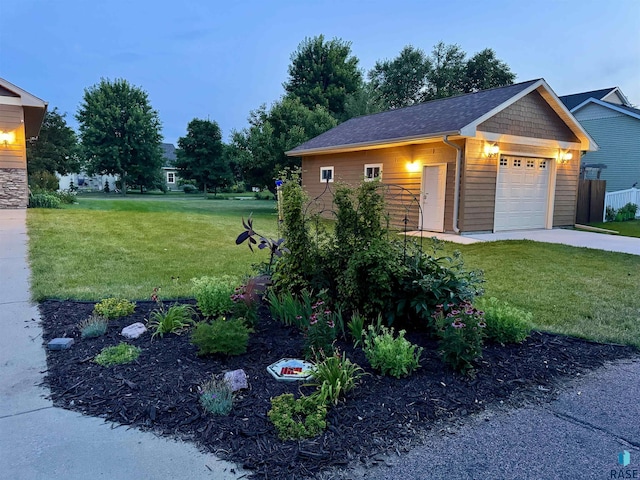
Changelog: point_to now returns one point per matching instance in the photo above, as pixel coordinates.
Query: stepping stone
(134, 330)
(60, 344)
(237, 380)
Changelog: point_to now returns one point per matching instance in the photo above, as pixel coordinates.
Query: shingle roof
(437, 117)
(168, 153)
(628, 109)
(572, 101)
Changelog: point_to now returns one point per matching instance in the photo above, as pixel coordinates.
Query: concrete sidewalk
(39, 441)
(578, 436)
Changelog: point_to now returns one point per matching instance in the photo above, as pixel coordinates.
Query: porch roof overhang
(34, 108)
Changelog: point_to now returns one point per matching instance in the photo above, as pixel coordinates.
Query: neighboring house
(614, 124)
(95, 183)
(501, 159)
(21, 116)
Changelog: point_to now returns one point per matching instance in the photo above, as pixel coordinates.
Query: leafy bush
(44, 200)
(213, 294)
(228, 337)
(118, 355)
(114, 308)
(304, 417)
(394, 356)
(94, 326)
(174, 320)
(505, 323)
(66, 196)
(188, 188)
(610, 214)
(43, 181)
(461, 331)
(334, 376)
(626, 213)
(245, 302)
(216, 396)
(264, 195)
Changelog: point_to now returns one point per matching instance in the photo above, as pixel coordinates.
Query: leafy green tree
(120, 133)
(56, 149)
(200, 156)
(446, 77)
(323, 73)
(484, 70)
(363, 101)
(259, 149)
(402, 81)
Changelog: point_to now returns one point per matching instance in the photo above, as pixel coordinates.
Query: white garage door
(521, 193)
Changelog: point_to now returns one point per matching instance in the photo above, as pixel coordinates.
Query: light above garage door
(521, 193)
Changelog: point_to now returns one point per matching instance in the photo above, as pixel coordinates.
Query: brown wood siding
(349, 169)
(478, 189)
(13, 155)
(531, 116)
(566, 193)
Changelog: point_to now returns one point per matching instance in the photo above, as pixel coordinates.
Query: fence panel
(591, 197)
(620, 198)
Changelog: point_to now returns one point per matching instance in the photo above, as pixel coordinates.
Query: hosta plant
(94, 326)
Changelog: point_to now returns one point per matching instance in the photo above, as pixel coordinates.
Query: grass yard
(115, 246)
(630, 228)
(125, 247)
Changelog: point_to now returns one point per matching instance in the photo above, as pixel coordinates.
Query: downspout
(456, 195)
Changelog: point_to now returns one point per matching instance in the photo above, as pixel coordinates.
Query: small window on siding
(171, 177)
(326, 174)
(372, 171)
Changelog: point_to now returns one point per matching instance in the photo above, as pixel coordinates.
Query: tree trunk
(205, 191)
(141, 189)
(123, 183)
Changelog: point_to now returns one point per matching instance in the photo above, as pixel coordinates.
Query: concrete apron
(39, 441)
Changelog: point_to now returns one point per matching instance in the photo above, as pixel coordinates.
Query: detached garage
(507, 158)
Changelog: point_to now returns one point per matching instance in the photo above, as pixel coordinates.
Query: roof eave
(392, 142)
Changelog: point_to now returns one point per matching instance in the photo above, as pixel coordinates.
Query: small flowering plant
(461, 330)
(321, 330)
(245, 302)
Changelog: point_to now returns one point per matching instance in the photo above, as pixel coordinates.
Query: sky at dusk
(219, 60)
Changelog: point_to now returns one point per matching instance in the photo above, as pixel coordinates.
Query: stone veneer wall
(14, 189)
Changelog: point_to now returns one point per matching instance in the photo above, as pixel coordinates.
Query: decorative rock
(134, 330)
(290, 370)
(60, 344)
(237, 380)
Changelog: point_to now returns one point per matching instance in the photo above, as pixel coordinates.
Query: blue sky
(219, 60)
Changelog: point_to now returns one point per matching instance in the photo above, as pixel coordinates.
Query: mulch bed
(159, 391)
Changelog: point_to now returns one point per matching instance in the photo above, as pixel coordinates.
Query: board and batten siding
(618, 139)
(349, 169)
(11, 120)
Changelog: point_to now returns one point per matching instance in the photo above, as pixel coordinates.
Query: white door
(521, 193)
(434, 183)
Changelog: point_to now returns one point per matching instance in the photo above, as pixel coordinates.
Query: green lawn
(114, 246)
(125, 247)
(630, 228)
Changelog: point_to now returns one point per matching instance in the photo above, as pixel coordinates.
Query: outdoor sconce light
(413, 166)
(564, 157)
(7, 137)
(491, 150)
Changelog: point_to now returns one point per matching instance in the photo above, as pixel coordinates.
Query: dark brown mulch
(159, 390)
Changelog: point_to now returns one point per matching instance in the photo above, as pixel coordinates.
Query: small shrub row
(623, 214)
(44, 200)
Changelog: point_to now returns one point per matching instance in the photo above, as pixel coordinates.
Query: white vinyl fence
(620, 198)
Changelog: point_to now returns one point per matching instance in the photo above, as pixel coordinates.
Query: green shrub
(320, 332)
(173, 320)
(304, 417)
(213, 294)
(356, 328)
(628, 212)
(334, 376)
(461, 331)
(43, 181)
(66, 196)
(394, 356)
(610, 214)
(118, 355)
(229, 337)
(264, 195)
(505, 323)
(188, 188)
(114, 308)
(216, 397)
(245, 302)
(94, 326)
(44, 200)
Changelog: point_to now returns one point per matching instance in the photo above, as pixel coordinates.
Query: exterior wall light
(7, 138)
(491, 150)
(413, 166)
(564, 157)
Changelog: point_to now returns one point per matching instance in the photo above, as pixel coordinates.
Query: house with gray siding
(614, 124)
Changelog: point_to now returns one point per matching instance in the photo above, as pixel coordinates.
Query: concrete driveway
(575, 238)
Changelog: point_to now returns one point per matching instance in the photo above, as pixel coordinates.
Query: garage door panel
(521, 193)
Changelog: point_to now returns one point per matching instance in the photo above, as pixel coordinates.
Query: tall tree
(200, 156)
(364, 101)
(120, 133)
(259, 149)
(402, 81)
(484, 70)
(56, 149)
(447, 74)
(323, 73)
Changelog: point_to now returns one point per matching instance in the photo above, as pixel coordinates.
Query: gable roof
(168, 153)
(34, 107)
(631, 111)
(575, 99)
(459, 115)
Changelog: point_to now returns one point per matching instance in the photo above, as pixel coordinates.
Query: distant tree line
(120, 133)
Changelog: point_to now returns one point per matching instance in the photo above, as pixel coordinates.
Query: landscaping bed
(159, 391)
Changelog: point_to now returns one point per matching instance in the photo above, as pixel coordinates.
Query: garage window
(372, 171)
(326, 174)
